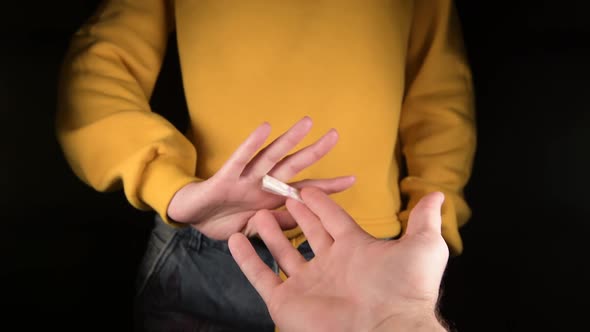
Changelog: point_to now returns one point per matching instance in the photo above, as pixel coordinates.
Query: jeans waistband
(192, 237)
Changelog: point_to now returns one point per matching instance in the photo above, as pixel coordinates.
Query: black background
(69, 254)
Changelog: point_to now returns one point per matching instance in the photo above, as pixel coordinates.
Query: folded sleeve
(437, 124)
(104, 124)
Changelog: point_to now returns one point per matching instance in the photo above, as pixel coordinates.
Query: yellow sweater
(390, 76)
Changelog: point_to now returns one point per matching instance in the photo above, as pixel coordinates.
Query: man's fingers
(291, 165)
(312, 227)
(259, 274)
(426, 215)
(328, 186)
(335, 220)
(266, 159)
(238, 161)
(284, 219)
(289, 259)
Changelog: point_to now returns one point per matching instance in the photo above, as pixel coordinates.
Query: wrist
(161, 179)
(180, 209)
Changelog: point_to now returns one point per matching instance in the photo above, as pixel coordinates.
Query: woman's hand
(223, 204)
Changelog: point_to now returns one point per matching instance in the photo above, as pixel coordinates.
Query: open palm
(223, 204)
(355, 282)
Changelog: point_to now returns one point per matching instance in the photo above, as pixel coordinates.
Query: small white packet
(277, 187)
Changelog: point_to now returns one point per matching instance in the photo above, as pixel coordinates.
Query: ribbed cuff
(162, 178)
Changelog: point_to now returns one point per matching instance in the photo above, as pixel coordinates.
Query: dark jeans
(189, 282)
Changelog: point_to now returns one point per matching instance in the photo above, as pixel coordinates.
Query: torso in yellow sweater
(277, 61)
(390, 76)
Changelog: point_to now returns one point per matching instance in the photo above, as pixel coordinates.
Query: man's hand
(223, 204)
(355, 282)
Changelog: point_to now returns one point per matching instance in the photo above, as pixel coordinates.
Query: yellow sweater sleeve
(437, 124)
(104, 123)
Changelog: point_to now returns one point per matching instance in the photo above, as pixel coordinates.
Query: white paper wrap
(277, 187)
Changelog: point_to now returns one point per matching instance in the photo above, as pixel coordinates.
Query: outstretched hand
(355, 282)
(223, 204)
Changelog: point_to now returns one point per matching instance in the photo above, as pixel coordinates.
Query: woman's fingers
(239, 160)
(291, 165)
(266, 159)
(328, 186)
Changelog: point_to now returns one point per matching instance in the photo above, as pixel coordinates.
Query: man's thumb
(426, 215)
